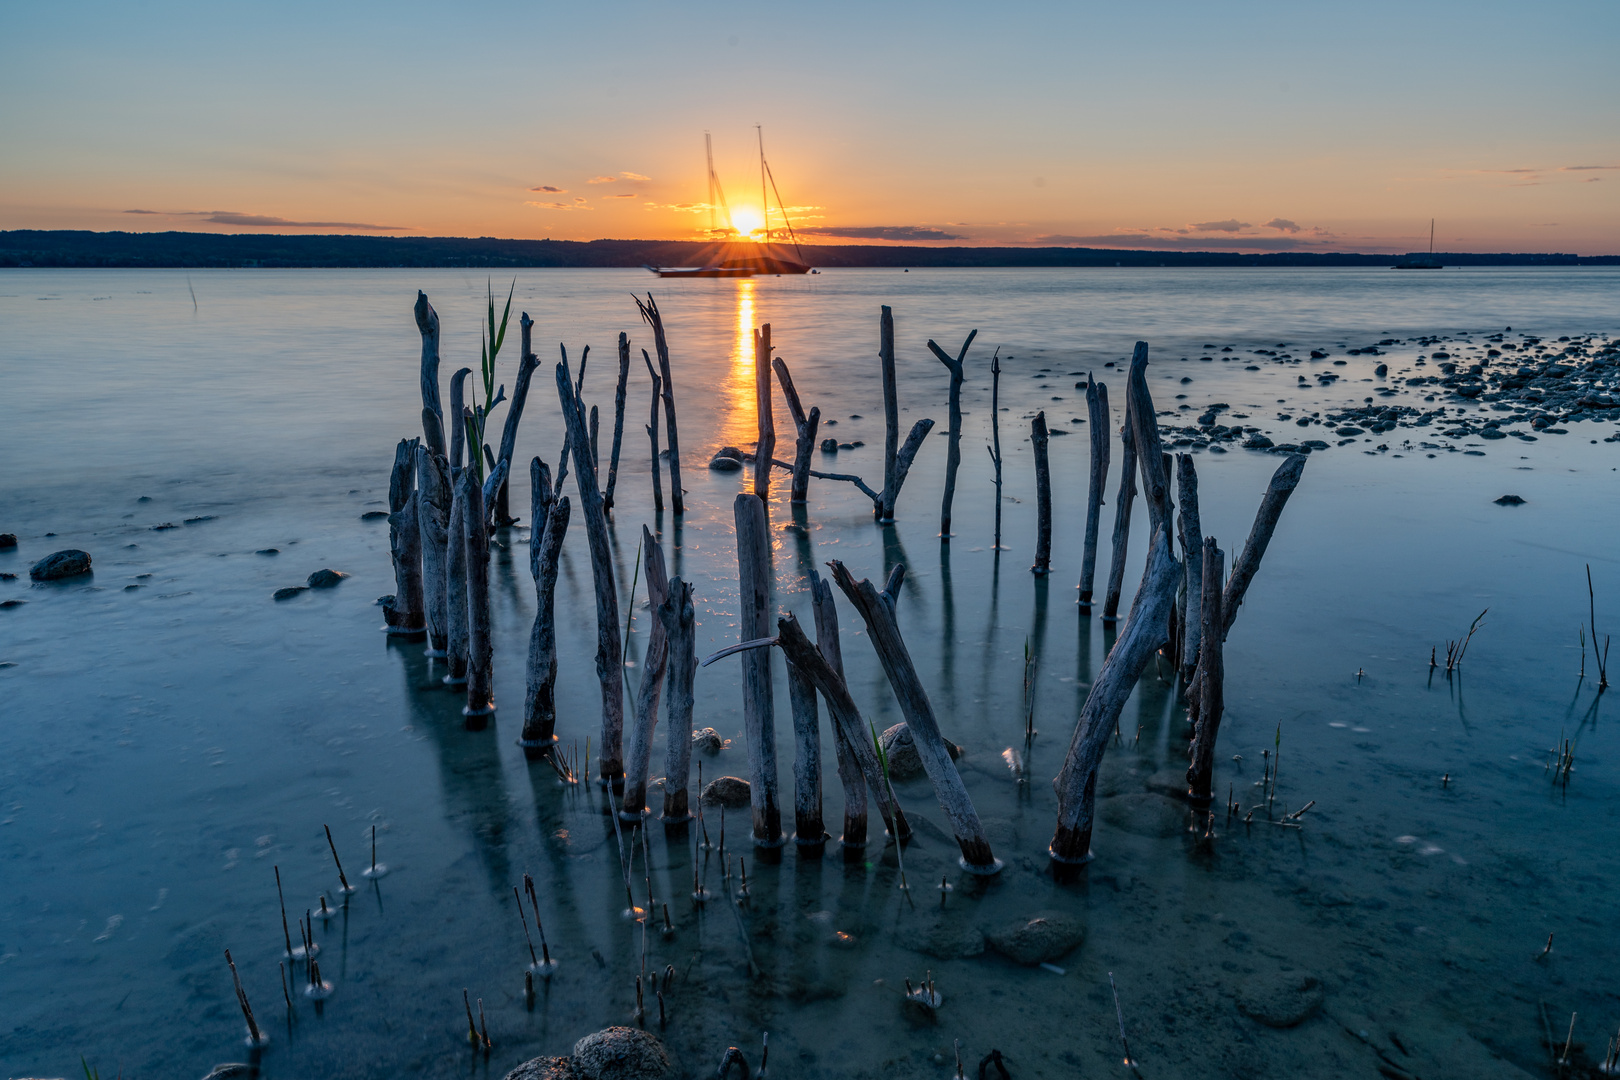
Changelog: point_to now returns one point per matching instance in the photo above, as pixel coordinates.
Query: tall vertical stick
(548, 516)
(639, 758)
(618, 419)
(1097, 417)
(528, 364)
(652, 435)
(995, 436)
(433, 522)
(1212, 667)
(808, 829)
(759, 709)
(455, 602)
(649, 311)
(804, 426)
(427, 322)
(609, 658)
(1146, 444)
(1192, 557)
(404, 615)
(1043, 497)
(1122, 520)
(953, 450)
(764, 407)
(1247, 564)
(480, 647)
(677, 615)
(891, 414)
(849, 766)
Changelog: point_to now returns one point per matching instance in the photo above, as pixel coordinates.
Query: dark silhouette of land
(82, 248)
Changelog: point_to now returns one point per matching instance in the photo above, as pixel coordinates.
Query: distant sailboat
(1430, 263)
(756, 257)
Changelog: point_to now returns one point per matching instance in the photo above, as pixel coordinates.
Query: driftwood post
(995, 437)
(480, 649)
(652, 434)
(1193, 558)
(403, 615)
(1076, 784)
(1247, 564)
(638, 759)
(458, 437)
(805, 427)
(808, 829)
(1122, 520)
(1038, 438)
(609, 658)
(1097, 415)
(528, 364)
(433, 523)
(618, 419)
(548, 524)
(1212, 667)
(649, 311)
(765, 412)
(1149, 448)
(891, 413)
(427, 322)
(759, 708)
(849, 765)
(677, 615)
(878, 612)
(953, 446)
(455, 603)
(847, 722)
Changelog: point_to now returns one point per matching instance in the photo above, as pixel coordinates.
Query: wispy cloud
(601, 180)
(626, 195)
(881, 232)
(1281, 225)
(559, 206)
(634, 176)
(547, 189)
(143, 211)
(1230, 225)
(269, 221)
(1151, 242)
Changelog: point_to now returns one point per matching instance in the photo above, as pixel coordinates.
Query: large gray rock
(1145, 814)
(545, 1068)
(905, 763)
(61, 564)
(621, 1053)
(1038, 939)
(1280, 1000)
(728, 791)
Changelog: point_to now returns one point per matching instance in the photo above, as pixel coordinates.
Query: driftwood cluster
(447, 493)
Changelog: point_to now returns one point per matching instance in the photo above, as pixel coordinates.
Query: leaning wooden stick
(1038, 438)
(1142, 636)
(618, 419)
(427, 322)
(433, 522)
(652, 434)
(638, 758)
(1097, 417)
(404, 615)
(678, 617)
(759, 709)
(877, 610)
(1122, 520)
(1212, 668)
(609, 658)
(1146, 444)
(1247, 564)
(548, 516)
(953, 446)
(805, 426)
(1192, 546)
(649, 311)
(765, 413)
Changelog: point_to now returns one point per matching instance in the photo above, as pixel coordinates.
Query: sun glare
(746, 220)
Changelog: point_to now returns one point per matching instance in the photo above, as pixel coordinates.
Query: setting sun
(746, 220)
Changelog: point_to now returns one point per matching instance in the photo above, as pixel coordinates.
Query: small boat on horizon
(1419, 263)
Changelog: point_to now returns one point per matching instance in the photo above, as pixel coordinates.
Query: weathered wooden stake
(1212, 668)
(849, 765)
(568, 432)
(548, 517)
(897, 459)
(1146, 444)
(528, 364)
(995, 436)
(458, 437)
(678, 617)
(649, 311)
(1097, 417)
(455, 604)
(877, 610)
(953, 448)
(480, 646)
(759, 707)
(1043, 496)
(808, 829)
(1143, 634)
(433, 522)
(765, 413)
(1247, 564)
(638, 760)
(1192, 547)
(1122, 519)
(805, 427)
(652, 435)
(609, 659)
(404, 616)
(618, 419)
(427, 322)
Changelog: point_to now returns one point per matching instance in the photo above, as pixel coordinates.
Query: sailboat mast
(764, 202)
(708, 152)
(1431, 236)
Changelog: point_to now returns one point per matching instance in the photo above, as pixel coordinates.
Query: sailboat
(1430, 263)
(745, 258)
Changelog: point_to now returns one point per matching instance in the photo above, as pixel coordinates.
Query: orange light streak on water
(741, 426)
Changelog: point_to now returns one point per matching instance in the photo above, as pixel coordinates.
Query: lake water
(168, 733)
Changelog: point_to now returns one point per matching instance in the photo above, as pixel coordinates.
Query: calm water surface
(168, 734)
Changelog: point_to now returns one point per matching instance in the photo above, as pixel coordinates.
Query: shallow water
(164, 746)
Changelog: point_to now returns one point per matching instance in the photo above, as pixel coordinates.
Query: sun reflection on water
(741, 425)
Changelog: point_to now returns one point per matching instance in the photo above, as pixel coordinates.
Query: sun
(746, 220)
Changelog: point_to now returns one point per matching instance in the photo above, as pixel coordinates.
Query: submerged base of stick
(454, 680)
(299, 953)
(409, 633)
(482, 710)
(434, 654)
(1065, 861)
(543, 968)
(256, 1044)
(372, 873)
(810, 841)
(990, 869)
(636, 815)
(673, 821)
(770, 845)
(318, 991)
(537, 749)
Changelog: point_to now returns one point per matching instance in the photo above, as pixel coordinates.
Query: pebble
(708, 740)
(289, 592)
(61, 564)
(7, 540)
(374, 515)
(1509, 500)
(325, 579)
(905, 762)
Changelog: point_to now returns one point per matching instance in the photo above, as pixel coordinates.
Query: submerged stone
(544, 1068)
(620, 1053)
(7, 540)
(1281, 1000)
(61, 564)
(708, 740)
(905, 763)
(1038, 939)
(1509, 500)
(325, 579)
(289, 592)
(726, 459)
(729, 791)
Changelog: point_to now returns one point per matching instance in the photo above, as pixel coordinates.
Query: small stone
(325, 579)
(729, 791)
(721, 463)
(544, 1068)
(164, 527)
(708, 740)
(1038, 939)
(8, 577)
(1347, 432)
(1257, 442)
(61, 564)
(1281, 1000)
(7, 540)
(268, 551)
(230, 1069)
(4, 604)
(289, 592)
(382, 515)
(199, 519)
(621, 1053)
(905, 762)
(1509, 500)
(829, 446)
